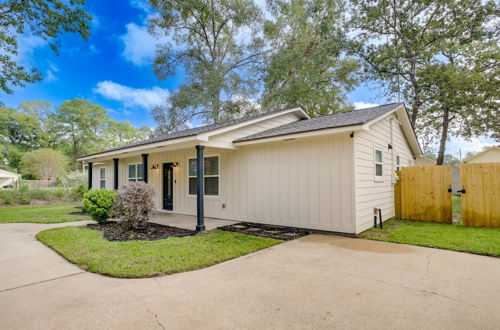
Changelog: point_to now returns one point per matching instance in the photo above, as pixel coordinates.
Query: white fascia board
(206, 135)
(302, 135)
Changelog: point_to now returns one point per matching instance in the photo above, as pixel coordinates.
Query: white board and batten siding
(371, 192)
(302, 183)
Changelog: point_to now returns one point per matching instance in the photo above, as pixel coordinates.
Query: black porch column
(89, 169)
(200, 224)
(115, 172)
(145, 167)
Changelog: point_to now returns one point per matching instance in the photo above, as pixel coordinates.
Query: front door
(168, 186)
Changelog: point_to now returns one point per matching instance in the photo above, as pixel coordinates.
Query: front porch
(188, 221)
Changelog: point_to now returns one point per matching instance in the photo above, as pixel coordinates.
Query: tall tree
(217, 42)
(308, 65)
(46, 19)
(80, 123)
(423, 51)
(45, 164)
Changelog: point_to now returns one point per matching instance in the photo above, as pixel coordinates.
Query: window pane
(192, 167)
(212, 186)
(139, 170)
(131, 171)
(378, 169)
(103, 184)
(211, 165)
(378, 156)
(131, 180)
(192, 186)
(102, 173)
(397, 160)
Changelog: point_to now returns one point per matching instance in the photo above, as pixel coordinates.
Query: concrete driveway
(314, 282)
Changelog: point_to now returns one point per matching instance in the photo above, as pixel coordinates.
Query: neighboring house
(424, 161)
(490, 155)
(8, 178)
(279, 167)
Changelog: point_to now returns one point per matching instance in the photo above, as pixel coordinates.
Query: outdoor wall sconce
(175, 164)
(155, 166)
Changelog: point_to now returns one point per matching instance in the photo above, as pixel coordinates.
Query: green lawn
(88, 249)
(452, 237)
(40, 214)
(457, 204)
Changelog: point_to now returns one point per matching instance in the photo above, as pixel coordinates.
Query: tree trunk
(444, 136)
(74, 155)
(216, 106)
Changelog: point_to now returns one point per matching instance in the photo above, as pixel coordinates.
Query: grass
(40, 214)
(451, 237)
(88, 249)
(457, 204)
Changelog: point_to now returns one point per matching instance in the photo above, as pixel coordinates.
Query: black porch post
(89, 169)
(200, 224)
(115, 172)
(145, 167)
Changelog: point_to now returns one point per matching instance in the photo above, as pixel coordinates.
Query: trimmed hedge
(99, 204)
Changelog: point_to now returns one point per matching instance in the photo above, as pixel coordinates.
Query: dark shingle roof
(342, 119)
(189, 132)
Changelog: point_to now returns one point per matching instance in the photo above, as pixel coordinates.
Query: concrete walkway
(312, 283)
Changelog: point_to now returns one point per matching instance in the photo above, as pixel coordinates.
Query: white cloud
(140, 46)
(132, 97)
(362, 105)
(50, 76)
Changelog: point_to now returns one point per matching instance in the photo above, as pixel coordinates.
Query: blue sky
(113, 68)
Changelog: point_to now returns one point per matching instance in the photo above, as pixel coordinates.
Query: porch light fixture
(175, 164)
(154, 167)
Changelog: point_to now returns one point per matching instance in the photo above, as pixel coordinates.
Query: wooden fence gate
(424, 193)
(480, 194)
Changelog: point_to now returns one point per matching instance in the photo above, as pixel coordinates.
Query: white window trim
(204, 176)
(136, 175)
(101, 179)
(378, 178)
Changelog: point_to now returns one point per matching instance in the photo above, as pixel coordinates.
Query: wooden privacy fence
(424, 193)
(480, 194)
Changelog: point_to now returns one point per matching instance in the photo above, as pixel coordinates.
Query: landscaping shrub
(79, 191)
(99, 204)
(25, 195)
(134, 204)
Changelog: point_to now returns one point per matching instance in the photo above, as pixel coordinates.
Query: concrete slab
(188, 221)
(316, 282)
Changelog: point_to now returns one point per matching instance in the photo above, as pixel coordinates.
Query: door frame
(169, 165)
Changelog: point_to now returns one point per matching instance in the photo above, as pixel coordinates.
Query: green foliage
(86, 247)
(25, 195)
(441, 56)
(45, 19)
(308, 66)
(206, 41)
(99, 204)
(46, 164)
(75, 176)
(79, 191)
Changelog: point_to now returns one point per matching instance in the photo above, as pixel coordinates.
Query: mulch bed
(276, 232)
(78, 212)
(113, 231)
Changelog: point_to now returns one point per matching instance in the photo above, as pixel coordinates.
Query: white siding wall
(303, 183)
(370, 193)
(109, 175)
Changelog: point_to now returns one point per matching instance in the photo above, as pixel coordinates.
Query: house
(489, 155)
(8, 178)
(279, 167)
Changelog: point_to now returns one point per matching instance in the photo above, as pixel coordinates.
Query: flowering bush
(99, 204)
(134, 204)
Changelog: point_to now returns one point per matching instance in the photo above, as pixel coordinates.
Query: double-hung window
(398, 163)
(135, 172)
(210, 173)
(102, 178)
(379, 165)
